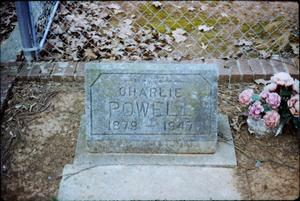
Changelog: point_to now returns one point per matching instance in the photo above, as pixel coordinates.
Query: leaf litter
(97, 25)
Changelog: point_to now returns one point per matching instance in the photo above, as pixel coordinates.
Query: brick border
(230, 71)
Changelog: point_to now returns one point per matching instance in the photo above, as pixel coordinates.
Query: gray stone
(11, 47)
(151, 108)
(223, 157)
(102, 176)
(147, 182)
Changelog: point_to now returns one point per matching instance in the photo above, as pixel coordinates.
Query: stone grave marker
(151, 108)
(148, 123)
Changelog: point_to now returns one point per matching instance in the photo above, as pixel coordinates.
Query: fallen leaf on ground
(203, 7)
(169, 39)
(295, 47)
(203, 46)
(116, 8)
(191, 8)
(178, 35)
(89, 54)
(243, 42)
(127, 21)
(156, 4)
(264, 54)
(224, 15)
(204, 28)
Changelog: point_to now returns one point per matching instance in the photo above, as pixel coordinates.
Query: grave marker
(151, 108)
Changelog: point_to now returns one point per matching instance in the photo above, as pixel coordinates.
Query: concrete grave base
(96, 176)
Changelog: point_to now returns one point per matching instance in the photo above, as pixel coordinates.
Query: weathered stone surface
(147, 182)
(223, 157)
(151, 108)
(105, 176)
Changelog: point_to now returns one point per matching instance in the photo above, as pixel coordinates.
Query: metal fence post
(24, 20)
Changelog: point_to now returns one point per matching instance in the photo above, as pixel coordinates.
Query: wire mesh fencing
(172, 30)
(34, 18)
(41, 16)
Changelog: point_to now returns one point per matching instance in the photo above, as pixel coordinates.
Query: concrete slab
(11, 47)
(224, 156)
(140, 182)
(95, 176)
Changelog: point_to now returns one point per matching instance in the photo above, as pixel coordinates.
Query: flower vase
(258, 127)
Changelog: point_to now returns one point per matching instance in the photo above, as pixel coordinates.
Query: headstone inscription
(151, 107)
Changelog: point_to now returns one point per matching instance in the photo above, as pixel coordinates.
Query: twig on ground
(77, 172)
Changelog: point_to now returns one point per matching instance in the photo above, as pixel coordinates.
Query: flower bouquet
(276, 106)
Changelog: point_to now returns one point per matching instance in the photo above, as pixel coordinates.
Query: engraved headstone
(151, 107)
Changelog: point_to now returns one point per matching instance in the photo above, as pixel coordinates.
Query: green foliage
(245, 27)
(266, 107)
(285, 92)
(255, 97)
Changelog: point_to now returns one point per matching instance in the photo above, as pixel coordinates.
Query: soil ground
(39, 132)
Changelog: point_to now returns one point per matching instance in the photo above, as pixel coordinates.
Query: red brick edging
(230, 71)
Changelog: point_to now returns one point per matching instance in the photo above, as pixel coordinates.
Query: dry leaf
(127, 21)
(203, 46)
(89, 54)
(243, 42)
(125, 31)
(156, 4)
(178, 35)
(169, 39)
(264, 54)
(295, 47)
(203, 7)
(224, 15)
(191, 8)
(204, 28)
(114, 6)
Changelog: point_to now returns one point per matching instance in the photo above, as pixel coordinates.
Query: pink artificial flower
(283, 79)
(245, 96)
(255, 109)
(293, 105)
(296, 86)
(270, 87)
(272, 119)
(273, 100)
(264, 94)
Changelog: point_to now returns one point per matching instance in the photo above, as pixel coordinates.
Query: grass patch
(245, 27)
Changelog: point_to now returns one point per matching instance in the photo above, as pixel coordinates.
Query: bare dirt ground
(268, 167)
(44, 118)
(41, 123)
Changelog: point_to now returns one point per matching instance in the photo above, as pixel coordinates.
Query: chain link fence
(35, 18)
(172, 30)
(41, 16)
